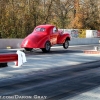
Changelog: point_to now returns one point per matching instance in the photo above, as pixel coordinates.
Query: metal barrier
(8, 57)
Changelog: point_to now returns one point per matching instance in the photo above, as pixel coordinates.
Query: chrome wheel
(47, 47)
(65, 44)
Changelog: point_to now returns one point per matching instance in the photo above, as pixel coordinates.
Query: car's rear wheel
(28, 49)
(66, 44)
(47, 47)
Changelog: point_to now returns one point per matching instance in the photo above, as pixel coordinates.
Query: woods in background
(19, 17)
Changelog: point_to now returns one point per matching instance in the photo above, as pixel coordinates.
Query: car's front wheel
(66, 44)
(47, 47)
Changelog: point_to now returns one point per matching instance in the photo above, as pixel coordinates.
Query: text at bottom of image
(23, 97)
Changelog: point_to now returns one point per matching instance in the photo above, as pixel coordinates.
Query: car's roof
(45, 25)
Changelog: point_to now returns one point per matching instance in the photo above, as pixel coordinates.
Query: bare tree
(61, 10)
(86, 14)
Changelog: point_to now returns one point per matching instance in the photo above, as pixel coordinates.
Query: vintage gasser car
(45, 36)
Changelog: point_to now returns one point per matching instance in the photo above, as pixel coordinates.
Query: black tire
(28, 49)
(66, 44)
(47, 47)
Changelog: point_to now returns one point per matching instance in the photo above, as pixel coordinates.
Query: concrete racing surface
(58, 57)
(58, 75)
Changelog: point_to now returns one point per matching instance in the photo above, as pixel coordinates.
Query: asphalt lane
(59, 84)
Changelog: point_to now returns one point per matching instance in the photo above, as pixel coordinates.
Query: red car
(45, 36)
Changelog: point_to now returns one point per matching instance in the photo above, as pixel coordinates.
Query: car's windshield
(40, 29)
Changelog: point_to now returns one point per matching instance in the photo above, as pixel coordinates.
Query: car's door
(54, 35)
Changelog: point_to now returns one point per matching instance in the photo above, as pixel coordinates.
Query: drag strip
(55, 83)
(59, 74)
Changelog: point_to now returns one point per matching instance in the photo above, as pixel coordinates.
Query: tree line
(18, 18)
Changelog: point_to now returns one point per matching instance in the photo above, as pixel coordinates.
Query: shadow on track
(38, 52)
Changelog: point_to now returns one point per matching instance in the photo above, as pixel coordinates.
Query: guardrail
(19, 58)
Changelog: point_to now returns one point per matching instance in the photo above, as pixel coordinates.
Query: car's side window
(54, 30)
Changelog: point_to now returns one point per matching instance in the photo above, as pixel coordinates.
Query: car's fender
(62, 37)
(41, 43)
